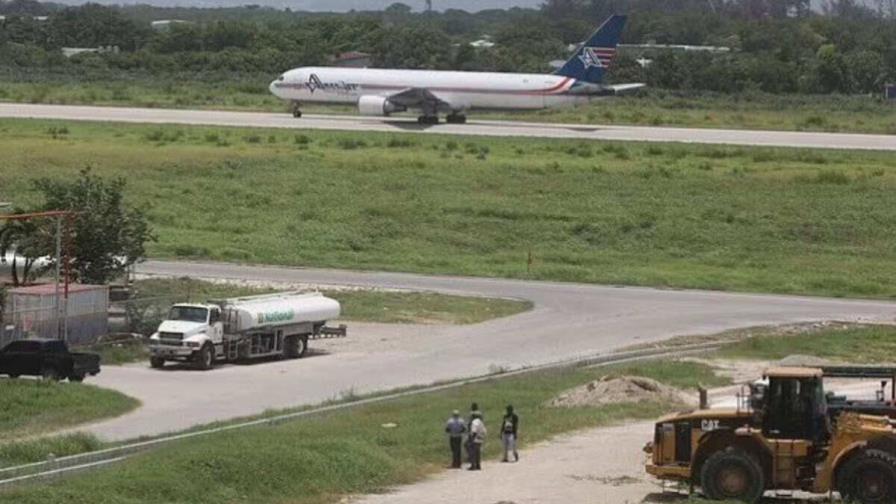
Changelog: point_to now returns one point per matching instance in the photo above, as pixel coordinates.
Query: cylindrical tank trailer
(270, 325)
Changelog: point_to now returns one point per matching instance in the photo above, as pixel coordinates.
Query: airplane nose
(273, 87)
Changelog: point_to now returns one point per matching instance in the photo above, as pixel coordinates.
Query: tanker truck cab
(191, 332)
(267, 326)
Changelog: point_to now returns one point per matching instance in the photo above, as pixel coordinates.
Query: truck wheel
(732, 475)
(77, 378)
(205, 358)
(49, 373)
(156, 362)
(868, 478)
(295, 347)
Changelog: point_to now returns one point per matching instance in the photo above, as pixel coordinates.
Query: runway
(473, 127)
(569, 320)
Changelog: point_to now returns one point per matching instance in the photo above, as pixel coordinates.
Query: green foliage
(40, 449)
(31, 407)
(107, 236)
(777, 46)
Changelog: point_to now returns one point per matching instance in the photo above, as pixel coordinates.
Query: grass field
(860, 114)
(776, 220)
(852, 344)
(317, 459)
(31, 407)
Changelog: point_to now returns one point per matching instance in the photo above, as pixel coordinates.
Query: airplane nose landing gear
(296, 111)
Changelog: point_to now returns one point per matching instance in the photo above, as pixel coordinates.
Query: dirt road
(603, 465)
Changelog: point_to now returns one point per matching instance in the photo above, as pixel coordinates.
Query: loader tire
(868, 478)
(156, 362)
(732, 475)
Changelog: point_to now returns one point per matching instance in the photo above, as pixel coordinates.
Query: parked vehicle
(50, 359)
(782, 436)
(244, 328)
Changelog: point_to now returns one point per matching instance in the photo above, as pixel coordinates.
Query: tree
(830, 73)
(28, 240)
(107, 236)
(866, 68)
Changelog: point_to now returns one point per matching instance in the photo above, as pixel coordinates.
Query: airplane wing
(419, 98)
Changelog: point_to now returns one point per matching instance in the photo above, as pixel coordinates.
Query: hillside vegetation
(778, 220)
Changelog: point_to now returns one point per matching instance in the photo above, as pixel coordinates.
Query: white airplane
(380, 92)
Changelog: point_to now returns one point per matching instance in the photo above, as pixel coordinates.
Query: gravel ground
(571, 469)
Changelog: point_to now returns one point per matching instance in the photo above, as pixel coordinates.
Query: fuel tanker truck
(230, 330)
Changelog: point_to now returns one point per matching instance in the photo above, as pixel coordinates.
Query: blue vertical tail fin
(594, 57)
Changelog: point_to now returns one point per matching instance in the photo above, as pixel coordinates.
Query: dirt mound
(804, 360)
(615, 390)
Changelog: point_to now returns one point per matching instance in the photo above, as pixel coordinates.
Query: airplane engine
(378, 106)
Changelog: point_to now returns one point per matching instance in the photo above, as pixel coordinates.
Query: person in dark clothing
(509, 432)
(455, 428)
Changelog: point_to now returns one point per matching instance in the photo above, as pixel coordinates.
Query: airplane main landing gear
(456, 119)
(296, 111)
(428, 119)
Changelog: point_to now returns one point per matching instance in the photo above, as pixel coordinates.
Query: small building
(484, 43)
(352, 59)
(68, 52)
(32, 312)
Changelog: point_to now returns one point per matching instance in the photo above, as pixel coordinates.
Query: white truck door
(216, 326)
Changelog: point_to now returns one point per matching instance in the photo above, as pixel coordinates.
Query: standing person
(468, 445)
(477, 438)
(455, 428)
(509, 429)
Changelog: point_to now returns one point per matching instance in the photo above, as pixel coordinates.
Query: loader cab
(792, 404)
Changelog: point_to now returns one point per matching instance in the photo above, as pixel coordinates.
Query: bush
(832, 177)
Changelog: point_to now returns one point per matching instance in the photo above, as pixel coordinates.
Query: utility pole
(60, 330)
(428, 5)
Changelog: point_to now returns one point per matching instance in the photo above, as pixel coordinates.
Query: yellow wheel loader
(781, 435)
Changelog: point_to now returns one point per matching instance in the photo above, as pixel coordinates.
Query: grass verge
(31, 407)
(749, 219)
(860, 344)
(318, 459)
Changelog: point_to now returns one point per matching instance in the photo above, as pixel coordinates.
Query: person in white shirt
(477, 438)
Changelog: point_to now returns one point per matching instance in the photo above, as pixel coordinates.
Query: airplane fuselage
(462, 90)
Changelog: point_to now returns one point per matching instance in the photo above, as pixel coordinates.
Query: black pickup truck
(49, 359)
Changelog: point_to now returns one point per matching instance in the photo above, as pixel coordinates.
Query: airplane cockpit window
(282, 78)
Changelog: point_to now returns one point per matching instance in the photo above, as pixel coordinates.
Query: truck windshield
(188, 314)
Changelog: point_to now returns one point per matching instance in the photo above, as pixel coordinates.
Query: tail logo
(599, 57)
